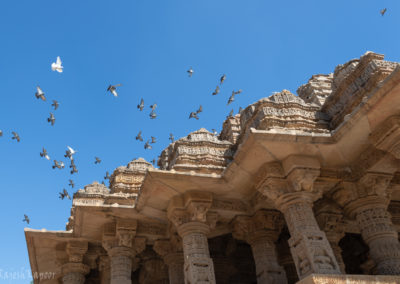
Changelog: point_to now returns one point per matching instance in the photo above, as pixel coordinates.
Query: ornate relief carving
(201, 151)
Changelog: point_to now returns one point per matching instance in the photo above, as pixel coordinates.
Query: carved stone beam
(293, 194)
(261, 231)
(387, 136)
(193, 221)
(367, 202)
(121, 245)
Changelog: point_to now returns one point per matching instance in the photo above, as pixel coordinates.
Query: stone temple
(295, 189)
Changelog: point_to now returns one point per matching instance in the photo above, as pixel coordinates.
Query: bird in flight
(74, 169)
(383, 11)
(153, 115)
(147, 145)
(64, 194)
(222, 79)
(232, 97)
(39, 94)
(55, 104)
(57, 66)
(59, 165)
(107, 176)
(16, 136)
(97, 160)
(195, 114)
(153, 161)
(153, 107)
(230, 114)
(69, 153)
(141, 105)
(153, 140)
(44, 154)
(190, 71)
(216, 91)
(240, 110)
(214, 131)
(113, 89)
(1, 133)
(26, 219)
(71, 183)
(171, 137)
(51, 119)
(139, 136)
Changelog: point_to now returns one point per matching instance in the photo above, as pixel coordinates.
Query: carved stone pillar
(329, 218)
(74, 271)
(121, 245)
(367, 202)
(294, 194)
(104, 269)
(189, 213)
(261, 232)
(172, 254)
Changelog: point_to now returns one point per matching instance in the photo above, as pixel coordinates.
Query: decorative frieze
(317, 89)
(231, 129)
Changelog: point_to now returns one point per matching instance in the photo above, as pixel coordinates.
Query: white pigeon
(56, 66)
(72, 152)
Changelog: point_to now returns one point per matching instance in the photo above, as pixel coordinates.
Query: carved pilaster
(367, 202)
(293, 194)
(261, 232)
(172, 254)
(121, 245)
(192, 219)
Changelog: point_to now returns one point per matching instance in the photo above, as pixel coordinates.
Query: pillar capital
(290, 181)
(191, 210)
(76, 249)
(371, 190)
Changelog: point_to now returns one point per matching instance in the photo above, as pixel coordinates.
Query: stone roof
(201, 151)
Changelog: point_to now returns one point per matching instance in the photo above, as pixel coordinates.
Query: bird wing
(39, 90)
(58, 61)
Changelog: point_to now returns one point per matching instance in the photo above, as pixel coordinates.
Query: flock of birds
(70, 152)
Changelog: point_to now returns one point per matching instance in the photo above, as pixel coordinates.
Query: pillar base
(349, 279)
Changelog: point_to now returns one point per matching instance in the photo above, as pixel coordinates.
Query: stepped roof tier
(227, 197)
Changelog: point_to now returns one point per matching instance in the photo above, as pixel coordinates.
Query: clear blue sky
(262, 46)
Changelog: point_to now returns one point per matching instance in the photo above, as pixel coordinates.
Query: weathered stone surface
(349, 279)
(294, 187)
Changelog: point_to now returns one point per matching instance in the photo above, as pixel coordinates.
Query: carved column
(261, 232)
(171, 252)
(329, 218)
(74, 271)
(367, 202)
(189, 213)
(121, 245)
(104, 269)
(294, 195)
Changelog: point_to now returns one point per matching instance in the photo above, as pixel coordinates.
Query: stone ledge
(349, 279)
